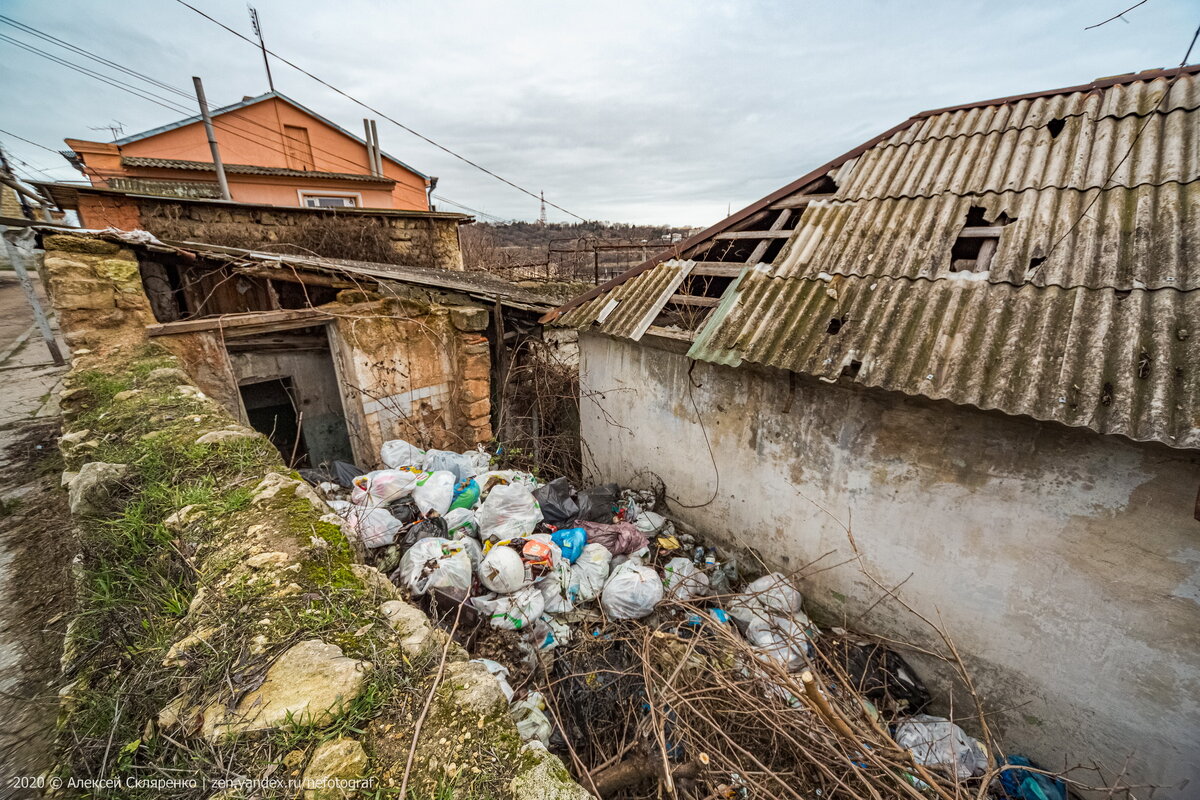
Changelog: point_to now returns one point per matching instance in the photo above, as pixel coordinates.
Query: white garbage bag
(371, 525)
(683, 580)
(513, 477)
(461, 520)
(479, 460)
(461, 465)
(515, 611)
(589, 573)
(782, 639)
(768, 596)
(471, 547)
(383, 486)
(556, 589)
(398, 453)
(509, 512)
(503, 571)
(548, 633)
(649, 523)
(434, 492)
(631, 592)
(435, 563)
(531, 720)
(938, 742)
(501, 673)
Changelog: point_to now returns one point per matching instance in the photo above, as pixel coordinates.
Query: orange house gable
(275, 152)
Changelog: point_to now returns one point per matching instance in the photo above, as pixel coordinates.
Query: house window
(312, 200)
(297, 146)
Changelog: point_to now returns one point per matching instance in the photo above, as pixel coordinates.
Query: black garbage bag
(557, 500)
(342, 473)
(404, 510)
(599, 504)
(881, 675)
(422, 529)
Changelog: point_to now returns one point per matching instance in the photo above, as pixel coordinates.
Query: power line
(468, 208)
(374, 110)
(30, 141)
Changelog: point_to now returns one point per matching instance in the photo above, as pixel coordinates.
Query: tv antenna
(262, 44)
(116, 129)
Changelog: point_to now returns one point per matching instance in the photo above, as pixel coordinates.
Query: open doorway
(271, 409)
(289, 390)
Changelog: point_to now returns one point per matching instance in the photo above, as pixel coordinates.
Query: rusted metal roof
(248, 169)
(629, 309)
(1086, 311)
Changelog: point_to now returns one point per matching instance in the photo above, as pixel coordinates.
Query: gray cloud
(629, 111)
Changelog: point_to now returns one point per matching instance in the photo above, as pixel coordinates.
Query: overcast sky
(655, 112)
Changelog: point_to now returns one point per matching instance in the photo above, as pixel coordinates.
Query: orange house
(275, 152)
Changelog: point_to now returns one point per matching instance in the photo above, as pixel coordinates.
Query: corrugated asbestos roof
(247, 169)
(637, 302)
(1087, 311)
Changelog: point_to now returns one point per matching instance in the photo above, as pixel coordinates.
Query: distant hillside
(563, 251)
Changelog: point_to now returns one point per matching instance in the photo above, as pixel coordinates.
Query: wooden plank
(694, 300)
(234, 321)
(718, 269)
(800, 200)
(683, 336)
(779, 224)
(981, 233)
(754, 235)
(277, 274)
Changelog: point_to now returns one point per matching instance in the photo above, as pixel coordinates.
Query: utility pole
(258, 32)
(212, 139)
(18, 242)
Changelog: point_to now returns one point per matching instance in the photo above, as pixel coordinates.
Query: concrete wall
(1064, 564)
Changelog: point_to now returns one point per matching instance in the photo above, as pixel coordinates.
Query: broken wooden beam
(753, 235)
(800, 200)
(694, 300)
(260, 319)
(718, 269)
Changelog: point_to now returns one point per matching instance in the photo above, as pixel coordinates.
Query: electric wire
(374, 110)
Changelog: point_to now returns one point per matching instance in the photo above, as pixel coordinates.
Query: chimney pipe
(378, 153)
(212, 139)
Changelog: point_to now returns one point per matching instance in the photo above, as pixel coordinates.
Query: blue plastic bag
(466, 494)
(570, 541)
(1021, 784)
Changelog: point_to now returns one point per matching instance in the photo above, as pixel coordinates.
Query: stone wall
(1064, 564)
(418, 239)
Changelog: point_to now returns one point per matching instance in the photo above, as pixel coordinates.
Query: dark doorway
(271, 409)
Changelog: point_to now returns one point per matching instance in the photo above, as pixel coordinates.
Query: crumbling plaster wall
(415, 371)
(1064, 564)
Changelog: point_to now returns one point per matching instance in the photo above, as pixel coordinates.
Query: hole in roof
(1035, 263)
(1144, 362)
(1106, 395)
(1121, 294)
(852, 369)
(977, 242)
(827, 185)
(1055, 126)
(835, 325)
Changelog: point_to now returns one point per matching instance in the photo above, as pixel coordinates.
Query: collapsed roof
(1037, 255)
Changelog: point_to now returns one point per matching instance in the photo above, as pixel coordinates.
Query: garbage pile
(645, 657)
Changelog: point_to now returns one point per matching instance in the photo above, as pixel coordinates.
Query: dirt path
(35, 547)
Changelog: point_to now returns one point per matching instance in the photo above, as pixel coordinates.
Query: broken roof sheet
(1085, 313)
(629, 309)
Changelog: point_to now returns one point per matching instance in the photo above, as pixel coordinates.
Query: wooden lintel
(258, 319)
(718, 269)
(753, 235)
(694, 300)
(981, 233)
(308, 278)
(800, 200)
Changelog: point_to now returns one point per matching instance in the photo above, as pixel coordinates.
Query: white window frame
(304, 194)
